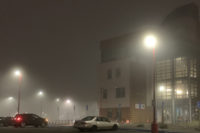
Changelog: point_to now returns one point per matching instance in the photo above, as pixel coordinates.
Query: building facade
(123, 82)
(125, 73)
(177, 72)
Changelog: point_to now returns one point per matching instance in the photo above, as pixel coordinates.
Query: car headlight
(46, 120)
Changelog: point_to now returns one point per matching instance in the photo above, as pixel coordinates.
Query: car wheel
(16, 126)
(23, 124)
(94, 128)
(43, 124)
(115, 127)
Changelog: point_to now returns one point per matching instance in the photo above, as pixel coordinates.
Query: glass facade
(176, 88)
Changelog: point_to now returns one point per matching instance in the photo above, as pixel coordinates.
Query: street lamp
(68, 101)
(19, 75)
(58, 107)
(162, 90)
(41, 94)
(57, 100)
(150, 41)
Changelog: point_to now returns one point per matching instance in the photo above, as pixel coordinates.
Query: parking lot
(54, 130)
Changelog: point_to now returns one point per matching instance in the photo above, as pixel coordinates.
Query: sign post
(198, 105)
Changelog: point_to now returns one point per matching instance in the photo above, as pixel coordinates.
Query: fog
(44, 105)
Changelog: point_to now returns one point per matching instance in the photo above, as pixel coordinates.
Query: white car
(95, 123)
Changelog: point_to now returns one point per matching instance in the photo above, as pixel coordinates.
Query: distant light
(179, 92)
(10, 98)
(168, 90)
(68, 101)
(40, 93)
(57, 100)
(161, 88)
(150, 41)
(17, 73)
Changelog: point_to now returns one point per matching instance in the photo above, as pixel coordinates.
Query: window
(120, 92)
(88, 118)
(163, 70)
(105, 94)
(118, 72)
(193, 68)
(109, 74)
(164, 90)
(181, 67)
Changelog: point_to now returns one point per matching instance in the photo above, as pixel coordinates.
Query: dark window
(109, 74)
(89, 118)
(120, 92)
(105, 95)
(118, 72)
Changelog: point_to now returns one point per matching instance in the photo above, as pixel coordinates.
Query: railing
(61, 123)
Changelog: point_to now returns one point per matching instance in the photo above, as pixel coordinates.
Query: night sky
(56, 43)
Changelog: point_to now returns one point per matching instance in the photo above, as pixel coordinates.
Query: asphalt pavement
(57, 130)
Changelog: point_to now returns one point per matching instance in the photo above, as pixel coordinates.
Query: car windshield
(89, 118)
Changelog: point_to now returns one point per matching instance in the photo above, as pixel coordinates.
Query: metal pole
(58, 111)
(173, 92)
(74, 112)
(154, 126)
(19, 94)
(189, 91)
(162, 112)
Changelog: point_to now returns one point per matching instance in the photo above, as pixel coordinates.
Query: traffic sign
(198, 104)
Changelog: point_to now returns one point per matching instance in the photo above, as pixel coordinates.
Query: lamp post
(19, 75)
(68, 102)
(150, 42)
(58, 107)
(40, 94)
(162, 90)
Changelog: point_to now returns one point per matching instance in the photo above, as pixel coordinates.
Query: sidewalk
(171, 129)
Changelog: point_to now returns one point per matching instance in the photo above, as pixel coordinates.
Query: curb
(146, 130)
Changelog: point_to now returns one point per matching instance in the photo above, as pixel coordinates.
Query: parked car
(6, 121)
(23, 120)
(2, 121)
(95, 123)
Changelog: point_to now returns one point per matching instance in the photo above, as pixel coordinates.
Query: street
(54, 130)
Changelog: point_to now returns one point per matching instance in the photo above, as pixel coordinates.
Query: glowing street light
(10, 98)
(17, 73)
(68, 101)
(150, 41)
(57, 100)
(40, 93)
